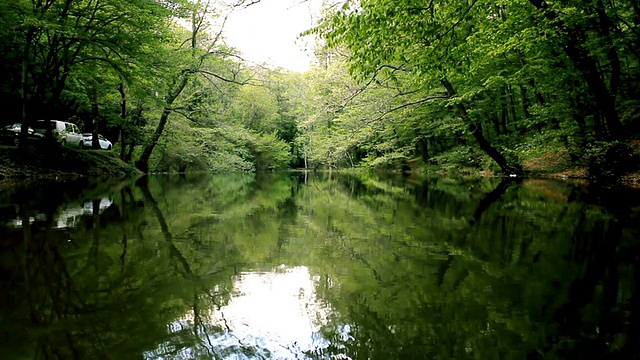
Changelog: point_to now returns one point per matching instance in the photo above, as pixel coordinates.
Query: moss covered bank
(60, 163)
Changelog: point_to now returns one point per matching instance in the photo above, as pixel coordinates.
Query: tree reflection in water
(374, 267)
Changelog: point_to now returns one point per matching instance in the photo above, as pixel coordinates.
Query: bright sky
(267, 32)
(275, 311)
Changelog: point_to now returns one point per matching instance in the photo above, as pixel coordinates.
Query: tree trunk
(525, 102)
(95, 114)
(555, 123)
(495, 121)
(423, 148)
(132, 146)
(123, 116)
(612, 53)
(504, 111)
(512, 109)
(587, 66)
(143, 162)
(24, 88)
(477, 132)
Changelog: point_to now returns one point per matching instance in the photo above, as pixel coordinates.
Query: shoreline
(37, 163)
(66, 163)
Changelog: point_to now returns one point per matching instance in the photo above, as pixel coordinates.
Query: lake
(319, 266)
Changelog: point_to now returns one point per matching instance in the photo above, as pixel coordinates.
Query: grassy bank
(61, 163)
(611, 164)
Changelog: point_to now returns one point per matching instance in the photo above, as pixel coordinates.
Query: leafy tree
(270, 153)
(256, 108)
(205, 56)
(428, 43)
(53, 39)
(506, 71)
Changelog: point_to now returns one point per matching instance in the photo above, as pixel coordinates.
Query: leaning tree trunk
(477, 132)
(143, 162)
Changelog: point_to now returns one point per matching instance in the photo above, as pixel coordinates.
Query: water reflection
(315, 266)
(271, 314)
(69, 215)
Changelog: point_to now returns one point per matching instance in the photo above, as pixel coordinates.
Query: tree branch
(413, 103)
(220, 77)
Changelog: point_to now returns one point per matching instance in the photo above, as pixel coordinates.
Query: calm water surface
(302, 266)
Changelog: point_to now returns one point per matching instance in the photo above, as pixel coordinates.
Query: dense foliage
(462, 85)
(516, 76)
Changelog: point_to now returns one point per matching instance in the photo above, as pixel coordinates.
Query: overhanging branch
(220, 77)
(413, 103)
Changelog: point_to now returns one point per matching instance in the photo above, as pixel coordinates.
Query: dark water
(295, 266)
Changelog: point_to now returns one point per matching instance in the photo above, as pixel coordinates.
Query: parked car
(65, 133)
(10, 134)
(105, 144)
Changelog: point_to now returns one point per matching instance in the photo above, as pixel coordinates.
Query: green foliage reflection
(407, 267)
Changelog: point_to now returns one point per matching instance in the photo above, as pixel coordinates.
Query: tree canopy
(461, 85)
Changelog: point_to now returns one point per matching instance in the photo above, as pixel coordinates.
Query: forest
(505, 87)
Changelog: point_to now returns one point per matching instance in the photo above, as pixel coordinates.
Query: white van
(65, 132)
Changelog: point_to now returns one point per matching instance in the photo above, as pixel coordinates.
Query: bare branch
(220, 77)
(413, 103)
(245, 3)
(219, 34)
